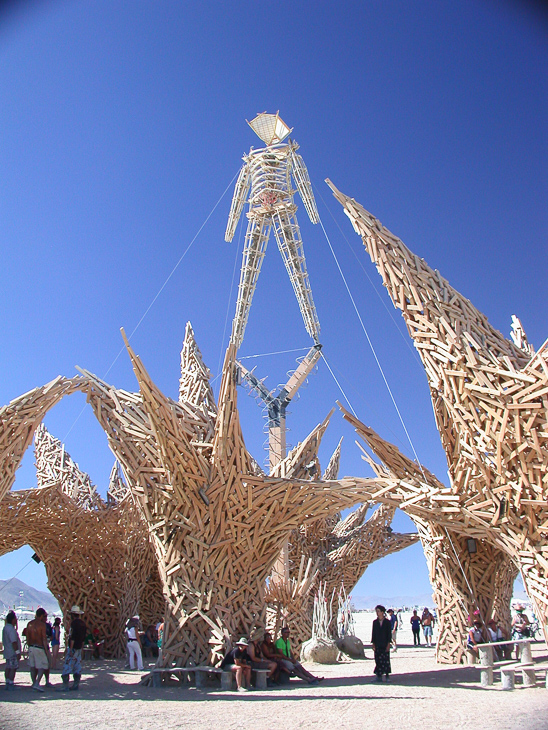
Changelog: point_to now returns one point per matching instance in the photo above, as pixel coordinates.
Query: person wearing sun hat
(134, 644)
(238, 661)
(73, 656)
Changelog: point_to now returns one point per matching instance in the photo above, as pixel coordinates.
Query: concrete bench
(508, 674)
(258, 678)
(202, 674)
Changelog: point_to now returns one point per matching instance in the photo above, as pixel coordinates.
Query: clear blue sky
(123, 123)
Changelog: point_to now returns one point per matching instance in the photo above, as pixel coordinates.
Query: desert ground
(421, 694)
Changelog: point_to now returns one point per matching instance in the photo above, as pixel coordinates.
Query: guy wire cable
(160, 290)
(391, 396)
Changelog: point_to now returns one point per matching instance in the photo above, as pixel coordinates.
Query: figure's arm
(238, 201)
(302, 181)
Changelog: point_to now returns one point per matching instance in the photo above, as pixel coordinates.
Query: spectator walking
(73, 652)
(427, 621)
(394, 624)
(381, 637)
(520, 627)
(12, 649)
(39, 654)
(415, 622)
(134, 644)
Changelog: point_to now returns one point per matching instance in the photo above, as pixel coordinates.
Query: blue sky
(123, 123)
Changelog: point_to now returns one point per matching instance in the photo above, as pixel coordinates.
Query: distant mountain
(32, 598)
(424, 599)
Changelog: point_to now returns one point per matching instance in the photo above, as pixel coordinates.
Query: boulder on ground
(352, 647)
(321, 651)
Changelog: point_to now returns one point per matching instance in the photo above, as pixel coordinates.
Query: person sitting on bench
(238, 662)
(258, 661)
(475, 636)
(284, 646)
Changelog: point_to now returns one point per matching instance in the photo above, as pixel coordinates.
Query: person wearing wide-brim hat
(73, 656)
(238, 661)
(134, 644)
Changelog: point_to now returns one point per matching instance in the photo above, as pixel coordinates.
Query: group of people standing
(426, 621)
(40, 634)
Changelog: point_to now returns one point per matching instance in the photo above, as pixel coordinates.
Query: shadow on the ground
(101, 681)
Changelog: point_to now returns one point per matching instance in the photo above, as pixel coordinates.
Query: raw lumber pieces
(142, 587)
(335, 550)
(462, 582)
(91, 557)
(490, 401)
(216, 525)
(19, 420)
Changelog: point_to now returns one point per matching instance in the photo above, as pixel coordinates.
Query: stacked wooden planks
(490, 400)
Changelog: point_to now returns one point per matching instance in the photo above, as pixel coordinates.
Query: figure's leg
(237, 671)
(256, 241)
(288, 238)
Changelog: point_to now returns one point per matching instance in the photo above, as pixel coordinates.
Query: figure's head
(42, 614)
(285, 632)
(57, 621)
(381, 611)
(11, 618)
(75, 612)
(270, 128)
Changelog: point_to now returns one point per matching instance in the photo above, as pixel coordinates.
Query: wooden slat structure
(96, 555)
(463, 582)
(490, 401)
(20, 419)
(334, 550)
(217, 525)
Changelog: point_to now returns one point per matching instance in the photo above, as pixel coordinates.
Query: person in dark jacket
(381, 637)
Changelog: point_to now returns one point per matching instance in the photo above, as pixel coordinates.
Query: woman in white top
(134, 644)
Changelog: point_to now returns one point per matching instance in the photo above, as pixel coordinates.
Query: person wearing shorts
(39, 654)
(427, 620)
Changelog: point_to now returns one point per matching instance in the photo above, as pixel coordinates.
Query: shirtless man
(39, 654)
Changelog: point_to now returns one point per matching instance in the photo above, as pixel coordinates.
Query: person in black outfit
(238, 662)
(381, 637)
